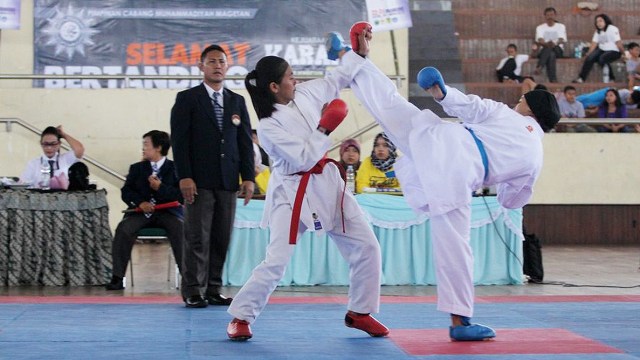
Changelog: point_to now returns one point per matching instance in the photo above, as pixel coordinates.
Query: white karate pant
(359, 246)
(451, 231)
(450, 236)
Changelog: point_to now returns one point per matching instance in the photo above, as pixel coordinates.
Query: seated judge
(150, 183)
(58, 162)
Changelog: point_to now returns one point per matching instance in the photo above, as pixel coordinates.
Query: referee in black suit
(212, 147)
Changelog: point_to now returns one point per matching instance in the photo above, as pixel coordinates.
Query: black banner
(166, 37)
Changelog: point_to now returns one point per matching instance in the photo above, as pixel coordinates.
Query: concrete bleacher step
(562, 6)
(484, 28)
(509, 93)
(481, 48)
(522, 23)
(567, 69)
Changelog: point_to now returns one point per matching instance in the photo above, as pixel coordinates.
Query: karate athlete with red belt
(444, 162)
(293, 131)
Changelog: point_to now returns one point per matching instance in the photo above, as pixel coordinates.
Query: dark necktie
(217, 108)
(154, 171)
(51, 167)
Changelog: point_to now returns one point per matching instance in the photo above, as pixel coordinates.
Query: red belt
(297, 205)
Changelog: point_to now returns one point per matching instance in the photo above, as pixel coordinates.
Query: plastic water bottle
(605, 74)
(351, 179)
(45, 175)
(577, 51)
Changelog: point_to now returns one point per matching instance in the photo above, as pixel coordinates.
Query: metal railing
(10, 121)
(372, 125)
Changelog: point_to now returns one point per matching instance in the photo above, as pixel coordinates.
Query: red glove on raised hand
(356, 30)
(333, 115)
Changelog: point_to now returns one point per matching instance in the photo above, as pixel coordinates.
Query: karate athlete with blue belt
(306, 191)
(444, 162)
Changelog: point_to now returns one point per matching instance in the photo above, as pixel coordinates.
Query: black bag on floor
(532, 266)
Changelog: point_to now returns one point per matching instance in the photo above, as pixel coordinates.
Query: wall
(579, 168)
(110, 122)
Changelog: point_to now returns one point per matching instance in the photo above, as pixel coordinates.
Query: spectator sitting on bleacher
(550, 37)
(571, 108)
(510, 67)
(612, 107)
(633, 64)
(606, 47)
(595, 98)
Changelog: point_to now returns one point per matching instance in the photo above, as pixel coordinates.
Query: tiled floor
(569, 270)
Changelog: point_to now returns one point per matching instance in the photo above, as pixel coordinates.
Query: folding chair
(159, 234)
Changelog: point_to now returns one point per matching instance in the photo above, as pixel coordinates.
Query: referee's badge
(235, 119)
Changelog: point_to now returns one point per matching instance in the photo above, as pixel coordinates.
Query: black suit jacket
(214, 159)
(136, 187)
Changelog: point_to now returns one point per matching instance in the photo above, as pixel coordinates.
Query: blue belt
(483, 153)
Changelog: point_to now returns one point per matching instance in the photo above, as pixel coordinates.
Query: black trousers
(601, 57)
(208, 225)
(507, 71)
(126, 234)
(547, 57)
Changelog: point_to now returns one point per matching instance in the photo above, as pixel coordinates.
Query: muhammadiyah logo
(70, 31)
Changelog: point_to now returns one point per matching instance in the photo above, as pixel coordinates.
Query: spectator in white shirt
(510, 67)
(550, 37)
(606, 47)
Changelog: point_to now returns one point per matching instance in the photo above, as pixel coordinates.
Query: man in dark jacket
(213, 150)
(150, 183)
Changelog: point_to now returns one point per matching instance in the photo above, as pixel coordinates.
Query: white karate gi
(442, 166)
(291, 139)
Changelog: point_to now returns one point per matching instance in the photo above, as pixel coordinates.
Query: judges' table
(54, 238)
(496, 240)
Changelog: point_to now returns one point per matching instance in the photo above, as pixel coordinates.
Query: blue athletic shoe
(429, 76)
(470, 332)
(334, 44)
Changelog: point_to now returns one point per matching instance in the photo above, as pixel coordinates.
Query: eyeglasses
(50, 144)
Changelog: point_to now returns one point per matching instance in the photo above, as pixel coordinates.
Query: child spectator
(571, 108)
(510, 67)
(633, 64)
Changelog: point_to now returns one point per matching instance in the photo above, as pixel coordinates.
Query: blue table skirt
(404, 240)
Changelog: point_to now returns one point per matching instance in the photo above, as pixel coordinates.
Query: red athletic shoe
(239, 330)
(366, 323)
(355, 31)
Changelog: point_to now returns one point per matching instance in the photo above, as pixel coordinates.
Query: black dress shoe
(115, 284)
(195, 301)
(218, 299)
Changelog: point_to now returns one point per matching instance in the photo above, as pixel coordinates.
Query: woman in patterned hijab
(376, 171)
(383, 155)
